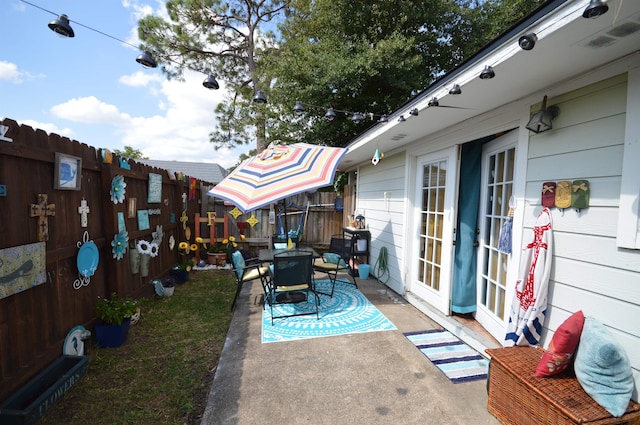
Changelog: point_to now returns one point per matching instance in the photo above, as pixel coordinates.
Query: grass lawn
(163, 373)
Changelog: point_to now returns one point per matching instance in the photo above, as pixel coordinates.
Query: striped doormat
(458, 361)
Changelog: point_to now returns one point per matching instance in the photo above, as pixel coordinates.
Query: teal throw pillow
(603, 369)
(238, 263)
(333, 258)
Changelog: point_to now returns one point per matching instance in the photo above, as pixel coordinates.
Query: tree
(130, 153)
(362, 56)
(225, 38)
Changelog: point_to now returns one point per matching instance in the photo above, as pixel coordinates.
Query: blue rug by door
(347, 312)
(458, 361)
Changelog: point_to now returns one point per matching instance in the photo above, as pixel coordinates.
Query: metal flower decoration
(117, 191)
(119, 244)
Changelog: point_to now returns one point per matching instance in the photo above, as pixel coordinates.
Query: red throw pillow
(562, 347)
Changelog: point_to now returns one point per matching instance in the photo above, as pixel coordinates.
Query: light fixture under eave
(260, 97)
(455, 89)
(330, 114)
(384, 118)
(61, 26)
(414, 112)
(487, 73)
(527, 41)
(298, 108)
(541, 120)
(595, 9)
(211, 83)
(433, 102)
(401, 118)
(146, 59)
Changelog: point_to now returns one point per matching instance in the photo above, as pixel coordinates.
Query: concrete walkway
(370, 378)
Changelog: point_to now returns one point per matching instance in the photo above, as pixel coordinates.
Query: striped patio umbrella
(278, 172)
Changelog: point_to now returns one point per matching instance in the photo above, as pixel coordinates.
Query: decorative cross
(42, 211)
(184, 220)
(83, 210)
(184, 200)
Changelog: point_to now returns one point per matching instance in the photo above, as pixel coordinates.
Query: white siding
(589, 272)
(385, 215)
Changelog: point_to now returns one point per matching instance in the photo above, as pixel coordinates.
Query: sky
(91, 89)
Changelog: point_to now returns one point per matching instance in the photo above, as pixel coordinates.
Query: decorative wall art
(131, 208)
(192, 188)
(155, 188)
(118, 189)
(83, 210)
(566, 194)
(3, 131)
(22, 267)
(42, 210)
(68, 172)
(107, 156)
(119, 244)
(124, 164)
(87, 261)
(3, 190)
(121, 223)
(143, 219)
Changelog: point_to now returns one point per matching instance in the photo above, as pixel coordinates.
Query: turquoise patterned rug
(347, 312)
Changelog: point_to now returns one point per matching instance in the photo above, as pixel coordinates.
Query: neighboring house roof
(567, 45)
(208, 172)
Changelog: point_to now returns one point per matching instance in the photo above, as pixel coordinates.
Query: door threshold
(476, 339)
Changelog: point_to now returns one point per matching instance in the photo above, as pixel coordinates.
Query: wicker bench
(517, 396)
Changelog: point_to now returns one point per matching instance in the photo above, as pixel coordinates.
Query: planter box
(111, 336)
(30, 402)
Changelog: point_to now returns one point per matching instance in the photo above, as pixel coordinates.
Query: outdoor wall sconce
(414, 112)
(384, 118)
(61, 26)
(528, 41)
(401, 118)
(260, 98)
(298, 108)
(146, 59)
(330, 114)
(433, 102)
(596, 8)
(487, 73)
(541, 120)
(455, 89)
(211, 83)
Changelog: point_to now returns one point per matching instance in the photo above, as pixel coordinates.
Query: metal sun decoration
(118, 191)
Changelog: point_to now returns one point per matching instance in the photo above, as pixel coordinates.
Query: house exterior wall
(589, 272)
(381, 199)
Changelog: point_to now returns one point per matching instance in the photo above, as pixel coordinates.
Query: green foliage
(113, 311)
(130, 152)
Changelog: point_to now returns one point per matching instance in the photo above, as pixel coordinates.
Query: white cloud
(48, 127)
(140, 79)
(90, 110)
(10, 72)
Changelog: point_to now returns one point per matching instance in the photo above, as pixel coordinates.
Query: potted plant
(180, 272)
(218, 252)
(114, 319)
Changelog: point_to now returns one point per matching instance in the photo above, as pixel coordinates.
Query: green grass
(163, 373)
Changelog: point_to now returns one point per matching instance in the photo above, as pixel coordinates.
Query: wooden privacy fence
(44, 206)
(56, 201)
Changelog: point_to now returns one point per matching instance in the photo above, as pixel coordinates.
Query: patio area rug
(347, 312)
(458, 361)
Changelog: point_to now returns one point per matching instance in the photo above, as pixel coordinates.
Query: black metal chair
(336, 262)
(291, 283)
(246, 271)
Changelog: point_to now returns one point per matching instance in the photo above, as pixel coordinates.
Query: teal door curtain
(463, 287)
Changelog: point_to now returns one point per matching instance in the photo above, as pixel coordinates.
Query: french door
(494, 267)
(434, 213)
